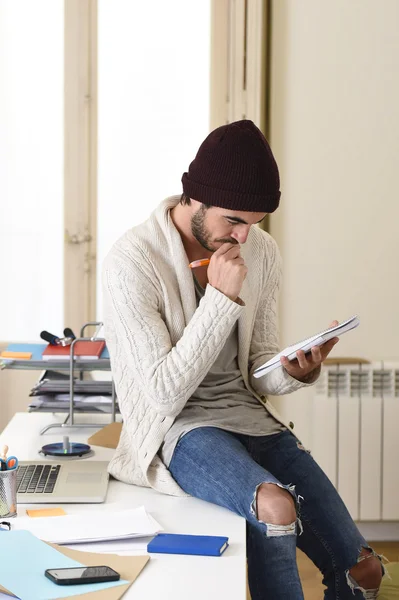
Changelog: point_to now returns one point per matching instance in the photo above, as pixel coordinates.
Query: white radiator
(356, 436)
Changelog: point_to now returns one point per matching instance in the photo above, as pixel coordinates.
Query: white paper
(89, 398)
(306, 345)
(131, 546)
(94, 527)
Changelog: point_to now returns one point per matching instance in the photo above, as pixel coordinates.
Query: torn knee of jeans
(371, 593)
(273, 530)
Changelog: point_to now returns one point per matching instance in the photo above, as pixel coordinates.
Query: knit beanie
(234, 169)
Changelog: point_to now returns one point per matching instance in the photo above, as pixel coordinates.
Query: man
(184, 344)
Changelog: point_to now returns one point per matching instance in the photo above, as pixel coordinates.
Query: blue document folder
(203, 545)
(36, 349)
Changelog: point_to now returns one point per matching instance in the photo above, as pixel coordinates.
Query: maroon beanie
(234, 169)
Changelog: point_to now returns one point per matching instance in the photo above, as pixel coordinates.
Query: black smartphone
(79, 575)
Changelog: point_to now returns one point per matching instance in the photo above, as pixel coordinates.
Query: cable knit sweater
(162, 346)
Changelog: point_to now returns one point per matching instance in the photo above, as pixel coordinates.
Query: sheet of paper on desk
(123, 547)
(97, 526)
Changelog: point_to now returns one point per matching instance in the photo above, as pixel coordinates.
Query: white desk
(165, 576)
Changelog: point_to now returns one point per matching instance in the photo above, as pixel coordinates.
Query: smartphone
(78, 575)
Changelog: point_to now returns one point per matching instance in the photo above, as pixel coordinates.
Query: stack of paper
(49, 385)
(51, 394)
(81, 403)
(96, 526)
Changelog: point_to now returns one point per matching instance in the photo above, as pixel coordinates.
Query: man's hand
(227, 270)
(305, 366)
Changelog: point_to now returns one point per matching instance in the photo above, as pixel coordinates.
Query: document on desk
(96, 526)
(132, 546)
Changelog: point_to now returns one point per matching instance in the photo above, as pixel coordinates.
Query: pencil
(204, 262)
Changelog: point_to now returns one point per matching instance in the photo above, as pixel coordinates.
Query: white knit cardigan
(162, 346)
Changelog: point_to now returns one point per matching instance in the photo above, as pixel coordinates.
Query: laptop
(73, 481)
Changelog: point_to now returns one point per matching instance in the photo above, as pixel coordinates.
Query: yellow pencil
(204, 262)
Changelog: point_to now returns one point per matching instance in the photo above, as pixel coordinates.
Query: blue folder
(203, 545)
(24, 558)
(36, 349)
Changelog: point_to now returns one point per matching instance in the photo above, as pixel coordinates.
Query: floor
(311, 578)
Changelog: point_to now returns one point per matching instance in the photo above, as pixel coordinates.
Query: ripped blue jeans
(227, 468)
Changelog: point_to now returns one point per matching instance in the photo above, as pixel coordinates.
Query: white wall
(335, 134)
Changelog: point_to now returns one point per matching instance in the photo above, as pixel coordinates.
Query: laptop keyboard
(37, 479)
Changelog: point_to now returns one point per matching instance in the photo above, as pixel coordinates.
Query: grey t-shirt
(221, 400)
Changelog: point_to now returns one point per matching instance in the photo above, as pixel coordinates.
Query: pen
(3, 459)
(204, 262)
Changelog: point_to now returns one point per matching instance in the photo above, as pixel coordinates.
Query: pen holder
(8, 493)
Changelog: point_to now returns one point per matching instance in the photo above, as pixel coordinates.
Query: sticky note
(46, 512)
(18, 355)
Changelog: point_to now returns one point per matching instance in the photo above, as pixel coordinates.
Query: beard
(202, 234)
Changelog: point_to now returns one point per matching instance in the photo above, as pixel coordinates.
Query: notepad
(24, 558)
(45, 512)
(306, 345)
(202, 545)
(16, 355)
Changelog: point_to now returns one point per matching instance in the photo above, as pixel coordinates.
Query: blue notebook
(203, 545)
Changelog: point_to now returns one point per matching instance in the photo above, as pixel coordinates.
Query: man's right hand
(227, 270)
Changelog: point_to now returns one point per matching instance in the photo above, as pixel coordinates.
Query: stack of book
(82, 350)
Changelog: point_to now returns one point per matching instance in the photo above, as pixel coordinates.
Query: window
(153, 89)
(31, 167)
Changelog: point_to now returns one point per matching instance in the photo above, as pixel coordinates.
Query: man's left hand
(306, 367)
